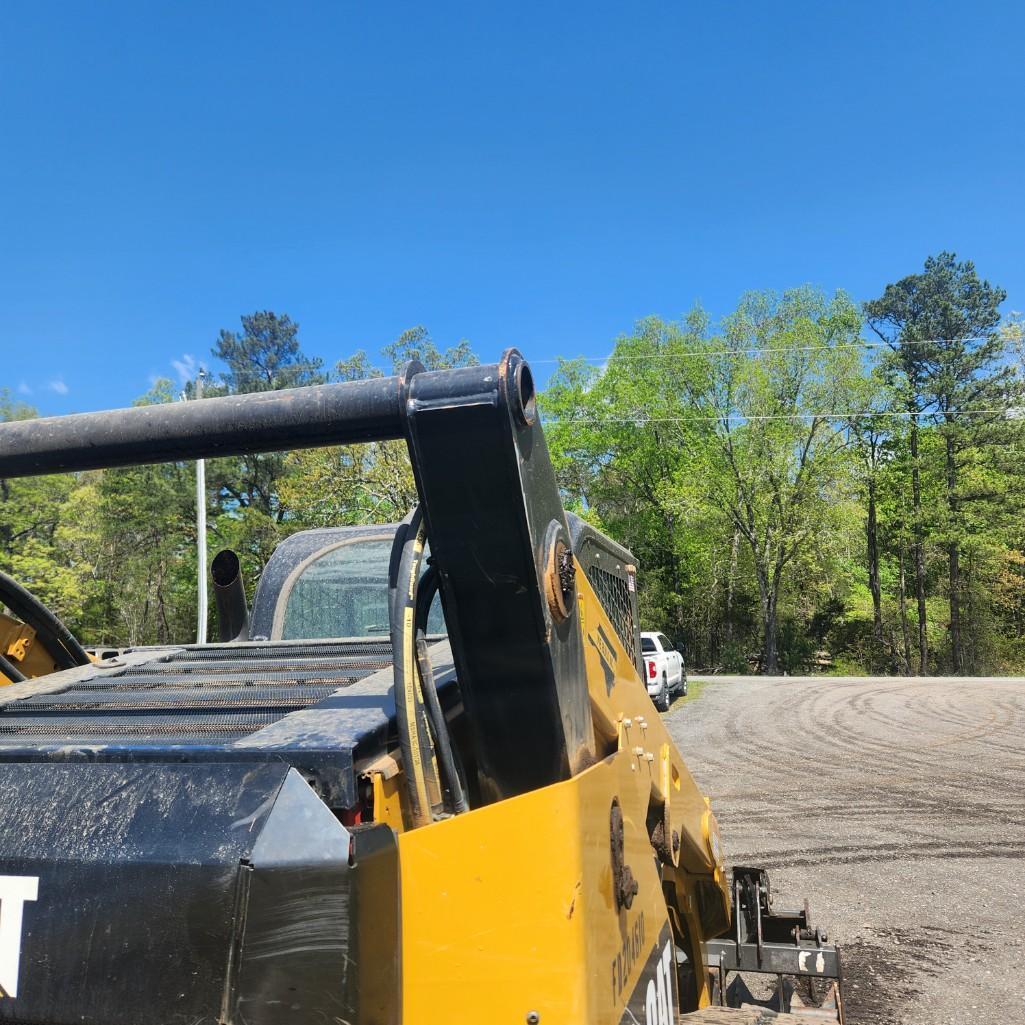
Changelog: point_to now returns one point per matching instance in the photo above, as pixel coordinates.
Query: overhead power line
(708, 352)
(1012, 412)
(328, 367)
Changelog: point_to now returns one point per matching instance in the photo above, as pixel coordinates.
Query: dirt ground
(898, 807)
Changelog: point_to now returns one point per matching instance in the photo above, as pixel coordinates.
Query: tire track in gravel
(902, 763)
(886, 852)
(899, 807)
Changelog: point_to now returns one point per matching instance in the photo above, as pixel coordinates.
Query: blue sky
(531, 174)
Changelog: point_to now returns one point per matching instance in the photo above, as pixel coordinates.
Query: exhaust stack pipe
(230, 595)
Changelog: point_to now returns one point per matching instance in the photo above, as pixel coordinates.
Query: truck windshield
(343, 592)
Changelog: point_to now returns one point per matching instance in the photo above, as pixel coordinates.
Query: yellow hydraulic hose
(414, 740)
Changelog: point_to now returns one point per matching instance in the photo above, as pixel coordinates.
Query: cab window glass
(647, 644)
(667, 645)
(344, 593)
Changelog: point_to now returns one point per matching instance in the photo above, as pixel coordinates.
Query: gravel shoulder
(897, 806)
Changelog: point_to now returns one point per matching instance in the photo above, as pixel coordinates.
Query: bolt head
(533, 1018)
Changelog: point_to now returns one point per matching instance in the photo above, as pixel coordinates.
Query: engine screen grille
(614, 594)
(155, 728)
(202, 694)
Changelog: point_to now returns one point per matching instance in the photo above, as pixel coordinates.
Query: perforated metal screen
(614, 593)
(196, 693)
(612, 573)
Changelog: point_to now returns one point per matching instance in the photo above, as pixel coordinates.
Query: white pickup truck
(664, 671)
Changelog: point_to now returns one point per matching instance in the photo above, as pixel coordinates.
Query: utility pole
(201, 530)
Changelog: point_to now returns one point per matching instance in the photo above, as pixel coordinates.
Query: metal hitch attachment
(784, 944)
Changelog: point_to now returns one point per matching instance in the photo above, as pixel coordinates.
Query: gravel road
(898, 807)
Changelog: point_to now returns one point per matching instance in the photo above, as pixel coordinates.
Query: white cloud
(186, 367)
(58, 386)
(24, 388)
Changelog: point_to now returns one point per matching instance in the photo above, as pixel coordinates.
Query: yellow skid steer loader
(420, 781)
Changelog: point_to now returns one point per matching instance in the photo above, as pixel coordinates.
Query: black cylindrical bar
(325, 414)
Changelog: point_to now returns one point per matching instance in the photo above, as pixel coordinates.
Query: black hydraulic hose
(410, 718)
(439, 729)
(54, 636)
(10, 670)
(426, 590)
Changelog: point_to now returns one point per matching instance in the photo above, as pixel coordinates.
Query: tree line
(813, 482)
(808, 484)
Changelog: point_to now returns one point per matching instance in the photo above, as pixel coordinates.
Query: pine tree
(948, 358)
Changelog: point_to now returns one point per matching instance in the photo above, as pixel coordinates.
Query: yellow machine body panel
(19, 645)
(623, 713)
(510, 910)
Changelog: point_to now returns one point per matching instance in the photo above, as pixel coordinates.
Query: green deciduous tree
(30, 515)
(776, 387)
(871, 434)
(370, 483)
(693, 442)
